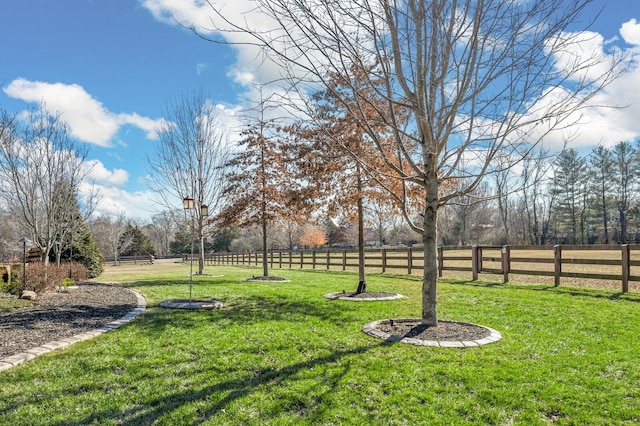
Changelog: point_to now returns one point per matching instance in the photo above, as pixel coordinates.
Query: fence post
(280, 259)
(409, 260)
(290, 259)
(328, 258)
(344, 259)
(626, 267)
(301, 259)
(506, 262)
(440, 261)
(313, 259)
(271, 256)
(384, 260)
(474, 263)
(557, 264)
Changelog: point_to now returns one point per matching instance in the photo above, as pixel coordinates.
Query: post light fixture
(71, 255)
(24, 241)
(187, 203)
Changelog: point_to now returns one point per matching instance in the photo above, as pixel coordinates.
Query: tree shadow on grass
(213, 399)
(247, 310)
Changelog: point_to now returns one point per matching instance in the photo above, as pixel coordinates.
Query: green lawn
(282, 354)
(7, 303)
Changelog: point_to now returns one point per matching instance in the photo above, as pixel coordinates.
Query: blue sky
(111, 66)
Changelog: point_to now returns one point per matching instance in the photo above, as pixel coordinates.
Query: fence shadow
(565, 290)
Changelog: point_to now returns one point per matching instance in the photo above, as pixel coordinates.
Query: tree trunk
(605, 216)
(201, 255)
(430, 241)
(362, 284)
(265, 263)
(623, 226)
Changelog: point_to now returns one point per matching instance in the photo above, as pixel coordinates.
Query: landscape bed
(280, 353)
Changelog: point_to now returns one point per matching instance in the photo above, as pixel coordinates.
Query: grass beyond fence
(612, 266)
(282, 354)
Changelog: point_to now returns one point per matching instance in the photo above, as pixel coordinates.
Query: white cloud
(199, 15)
(612, 118)
(114, 201)
(114, 198)
(613, 115)
(98, 173)
(630, 32)
(88, 119)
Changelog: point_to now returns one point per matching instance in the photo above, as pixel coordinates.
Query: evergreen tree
(569, 186)
(87, 252)
(625, 180)
(140, 243)
(601, 167)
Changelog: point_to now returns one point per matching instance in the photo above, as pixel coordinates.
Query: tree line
(554, 198)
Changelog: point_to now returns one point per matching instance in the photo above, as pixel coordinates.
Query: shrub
(41, 278)
(67, 282)
(10, 285)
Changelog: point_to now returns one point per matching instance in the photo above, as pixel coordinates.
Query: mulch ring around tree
(365, 296)
(192, 304)
(451, 334)
(267, 280)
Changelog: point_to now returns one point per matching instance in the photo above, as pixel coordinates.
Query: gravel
(59, 315)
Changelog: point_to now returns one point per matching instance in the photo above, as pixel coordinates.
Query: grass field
(282, 354)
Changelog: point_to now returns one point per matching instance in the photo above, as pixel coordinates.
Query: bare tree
(41, 169)
(189, 160)
(480, 78)
(109, 234)
(162, 229)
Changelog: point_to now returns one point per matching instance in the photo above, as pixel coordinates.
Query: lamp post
(24, 241)
(188, 204)
(71, 255)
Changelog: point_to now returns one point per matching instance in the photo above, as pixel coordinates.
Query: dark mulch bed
(60, 315)
(367, 294)
(444, 331)
(364, 296)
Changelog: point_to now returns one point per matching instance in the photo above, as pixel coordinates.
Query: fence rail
(606, 262)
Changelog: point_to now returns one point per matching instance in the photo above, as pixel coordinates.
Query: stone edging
(370, 329)
(30, 354)
(342, 296)
(194, 304)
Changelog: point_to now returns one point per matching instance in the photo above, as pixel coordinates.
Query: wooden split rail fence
(597, 262)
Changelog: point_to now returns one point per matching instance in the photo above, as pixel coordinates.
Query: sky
(112, 67)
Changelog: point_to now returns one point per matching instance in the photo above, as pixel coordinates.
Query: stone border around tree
(191, 304)
(371, 330)
(344, 296)
(30, 354)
